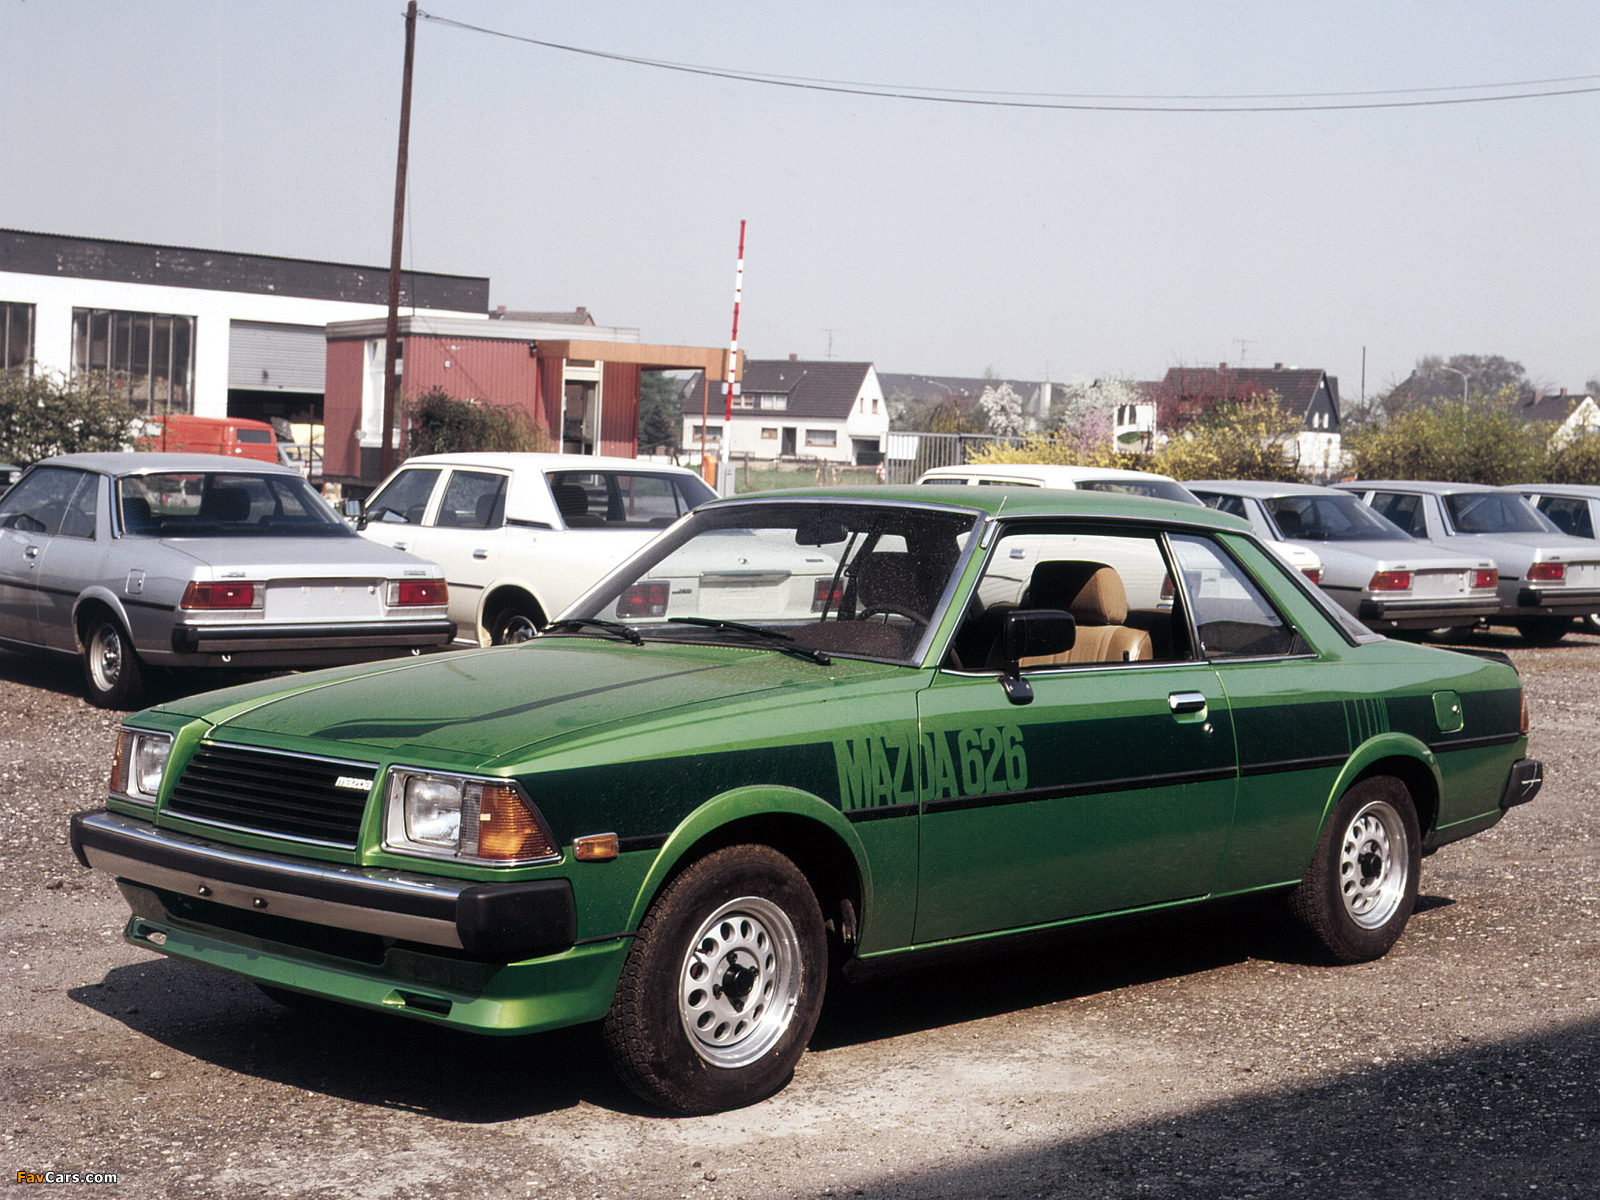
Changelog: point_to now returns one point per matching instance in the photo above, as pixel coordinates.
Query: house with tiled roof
(1311, 394)
(793, 410)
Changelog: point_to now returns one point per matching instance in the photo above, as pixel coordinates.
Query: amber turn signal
(597, 847)
(507, 830)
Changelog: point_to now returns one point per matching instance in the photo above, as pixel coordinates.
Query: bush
(1577, 460)
(46, 413)
(1478, 443)
(437, 423)
(1245, 439)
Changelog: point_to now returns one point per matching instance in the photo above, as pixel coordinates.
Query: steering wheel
(894, 610)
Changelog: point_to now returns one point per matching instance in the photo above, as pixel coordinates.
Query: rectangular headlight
(140, 761)
(442, 815)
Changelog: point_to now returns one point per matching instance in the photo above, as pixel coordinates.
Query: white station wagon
(521, 536)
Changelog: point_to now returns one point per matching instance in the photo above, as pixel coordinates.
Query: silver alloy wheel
(740, 982)
(518, 627)
(105, 657)
(1374, 860)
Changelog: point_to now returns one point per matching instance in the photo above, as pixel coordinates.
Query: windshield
(193, 504)
(1330, 519)
(852, 578)
(1495, 512)
(1158, 489)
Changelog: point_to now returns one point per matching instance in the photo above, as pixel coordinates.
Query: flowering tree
(1002, 406)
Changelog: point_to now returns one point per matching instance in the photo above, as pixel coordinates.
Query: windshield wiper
(780, 641)
(617, 627)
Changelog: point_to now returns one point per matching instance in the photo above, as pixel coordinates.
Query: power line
(1051, 100)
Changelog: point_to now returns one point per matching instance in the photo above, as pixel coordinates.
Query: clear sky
(932, 238)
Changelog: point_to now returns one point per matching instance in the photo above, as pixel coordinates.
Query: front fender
(742, 802)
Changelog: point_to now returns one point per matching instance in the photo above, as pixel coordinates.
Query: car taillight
(1547, 572)
(1390, 581)
(1486, 579)
(644, 599)
(1312, 573)
(1523, 696)
(410, 593)
(824, 595)
(218, 595)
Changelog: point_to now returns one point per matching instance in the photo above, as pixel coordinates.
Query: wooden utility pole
(391, 347)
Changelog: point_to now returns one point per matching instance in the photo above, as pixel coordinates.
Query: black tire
(1362, 884)
(1590, 622)
(113, 676)
(515, 623)
(1543, 631)
(722, 986)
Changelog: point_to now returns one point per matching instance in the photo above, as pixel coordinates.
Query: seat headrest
(1091, 591)
(229, 505)
(571, 500)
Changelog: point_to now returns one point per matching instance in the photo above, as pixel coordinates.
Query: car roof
(1587, 491)
(1067, 473)
(1259, 487)
(1009, 502)
(1434, 487)
(538, 461)
(134, 462)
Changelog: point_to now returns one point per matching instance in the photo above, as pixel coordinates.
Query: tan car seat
(1093, 593)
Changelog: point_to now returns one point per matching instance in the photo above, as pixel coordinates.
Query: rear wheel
(1543, 631)
(722, 986)
(1355, 900)
(516, 622)
(112, 674)
(1590, 622)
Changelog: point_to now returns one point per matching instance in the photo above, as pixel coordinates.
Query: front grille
(283, 794)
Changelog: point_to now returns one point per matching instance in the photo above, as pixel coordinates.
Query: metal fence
(908, 455)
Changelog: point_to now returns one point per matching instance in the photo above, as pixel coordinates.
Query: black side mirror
(1032, 633)
(352, 510)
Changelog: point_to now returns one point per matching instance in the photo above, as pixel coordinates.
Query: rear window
(258, 437)
(194, 504)
(1156, 489)
(1495, 512)
(624, 499)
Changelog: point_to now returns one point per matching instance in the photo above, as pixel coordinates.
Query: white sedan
(521, 536)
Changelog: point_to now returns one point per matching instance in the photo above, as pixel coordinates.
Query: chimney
(1277, 366)
(1222, 366)
(794, 358)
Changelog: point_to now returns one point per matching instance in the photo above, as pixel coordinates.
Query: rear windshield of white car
(624, 499)
(1330, 519)
(1495, 512)
(197, 504)
(1156, 489)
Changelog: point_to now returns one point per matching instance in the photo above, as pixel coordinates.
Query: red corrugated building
(578, 381)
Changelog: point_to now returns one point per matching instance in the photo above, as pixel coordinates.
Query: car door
(73, 561)
(464, 534)
(393, 516)
(31, 514)
(1113, 788)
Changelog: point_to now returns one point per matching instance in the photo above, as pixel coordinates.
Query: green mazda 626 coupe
(805, 732)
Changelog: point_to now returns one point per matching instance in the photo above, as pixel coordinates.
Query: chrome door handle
(400, 545)
(32, 552)
(1186, 702)
(480, 554)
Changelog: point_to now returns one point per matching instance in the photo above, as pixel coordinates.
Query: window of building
(711, 433)
(769, 432)
(822, 437)
(16, 335)
(149, 356)
(773, 402)
(874, 407)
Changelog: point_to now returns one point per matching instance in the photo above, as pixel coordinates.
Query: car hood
(311, 557)
(476, 706)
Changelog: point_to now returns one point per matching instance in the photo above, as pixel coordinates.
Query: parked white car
(521, 536)
(1103, 479)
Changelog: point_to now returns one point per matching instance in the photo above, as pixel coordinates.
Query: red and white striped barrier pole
(730, 385)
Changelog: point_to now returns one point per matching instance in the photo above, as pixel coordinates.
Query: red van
(235, 437)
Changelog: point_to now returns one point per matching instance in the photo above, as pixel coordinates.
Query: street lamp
(1463, 374)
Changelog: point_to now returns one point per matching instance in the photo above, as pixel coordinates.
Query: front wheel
(1356, 898)
(112, 674)
(722, 986)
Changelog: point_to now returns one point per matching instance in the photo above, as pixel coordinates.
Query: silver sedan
(139, 560)
(1371, 568)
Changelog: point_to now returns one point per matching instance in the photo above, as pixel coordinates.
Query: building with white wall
(790, 410)
(200, 331)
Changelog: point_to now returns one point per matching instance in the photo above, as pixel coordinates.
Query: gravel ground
(1207, 1060)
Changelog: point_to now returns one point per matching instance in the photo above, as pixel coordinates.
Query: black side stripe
(1065, 791)
(879, 812)
(649, 841)
(1294, 764)
(1474, 743)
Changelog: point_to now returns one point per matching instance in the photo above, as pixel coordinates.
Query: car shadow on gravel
(1509, 1118)
(64, 676)
(356, 1055)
